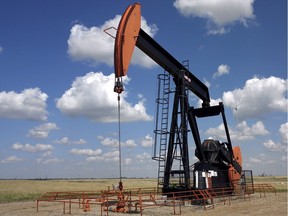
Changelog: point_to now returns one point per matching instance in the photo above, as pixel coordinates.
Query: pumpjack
(219, 164)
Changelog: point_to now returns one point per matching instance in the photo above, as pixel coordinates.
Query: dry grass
(25, 186)
(13, 191)
(24, 190)
(279, 182)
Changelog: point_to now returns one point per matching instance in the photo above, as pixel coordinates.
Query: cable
(118, 88)
(119, 137)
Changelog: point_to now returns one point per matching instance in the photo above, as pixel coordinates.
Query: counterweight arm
(152, 49)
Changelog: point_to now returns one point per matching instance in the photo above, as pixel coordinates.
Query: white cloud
(11, 159)
(147, 141)
(129, 143)
(1, 49)
(217, 30)
(149, 29)
(66, 141)
(31, 148)
(255, 160)
(88, 152)
(272, 146)
(243, 132)
(42, 131)
(90, 44)
(283, 130)
(95, 158)
(258, 97)
(79, 142)
(49, 161)
(282, 146)
(219, 13)
(47, 154)
(109, 142)
(257, 129)
(114, 143)
(261, 159)
(112, 156)
(95, 46)
(29, 104)
(92, 97)
(223, 69)
(128, 161)
(143, 158)
(213, 102)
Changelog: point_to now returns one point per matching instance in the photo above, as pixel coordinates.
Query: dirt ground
(269, 205)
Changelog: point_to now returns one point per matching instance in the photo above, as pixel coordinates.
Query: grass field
(30, 190)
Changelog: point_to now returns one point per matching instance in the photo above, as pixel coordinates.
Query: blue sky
(58, 111)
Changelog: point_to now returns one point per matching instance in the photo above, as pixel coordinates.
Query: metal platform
(138, 199)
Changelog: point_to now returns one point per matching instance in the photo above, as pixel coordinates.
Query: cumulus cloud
(112, 156)
(223, 69)
(67, 141)
(129, 143)
(114, 143)
(88, 152)
(143, 158)
(219, 13)
(242, 133)
(90, 44)
(272, 146)
(47, 154)
(128, 161)
(258, 97)
(11, 159)
(248, 133)
(92, 97)
(31, 148)
(29, 104)
(261, 159)
(278, 146)
(95, 158)
(93, 45)
(147, 141)
(283, 130)
(42, 131)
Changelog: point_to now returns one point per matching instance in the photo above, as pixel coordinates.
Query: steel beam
(151, 48)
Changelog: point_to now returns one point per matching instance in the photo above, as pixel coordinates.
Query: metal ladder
(161, 131)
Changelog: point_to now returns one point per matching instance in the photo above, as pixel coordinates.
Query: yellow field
(19, 190)
(279, 182)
